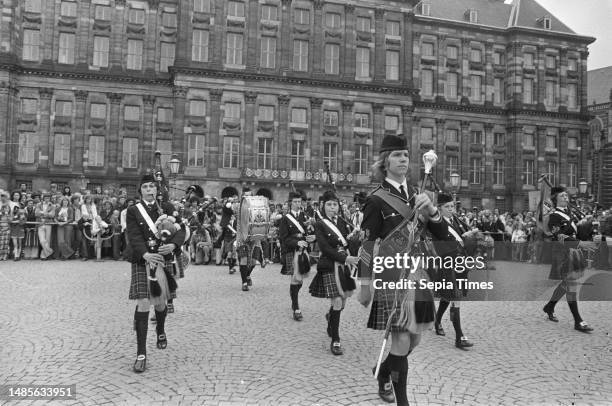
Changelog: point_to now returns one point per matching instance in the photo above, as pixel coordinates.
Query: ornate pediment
(265, 126)
(301, 30)
(102, 25)
(231, 125)
(364, 36)
(135, 29)
(200, 18)
(67, 22)
(62, 121)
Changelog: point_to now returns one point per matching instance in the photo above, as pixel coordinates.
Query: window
(201, 6)
(96, 151)
(166, 56)
(169, 20)
(197, 108)
(266, 113)
(572, 143)
(550, 93)
(572, 174)
(392, 65)
(130, 153)
(268, 12)
(268, 52)
(66, 48)
(29, 106)
(427, 49)
(100, 53)
(31, 45)
(528, 91)
(27, 145)
(298, 161)
(551, 141)
(363, 24)
(475, 170)
(330, 118)
(134, 54)
(528, 171)
(300, 55)
(301, 16)
(427, 82)
(132, 113)
(475, 55)
(235, 9)
(68, 9)
(136, 16)
(451, 52)
(528, 59)
(199, 46)
(499, 139)
(452, 166)
(498, 58)
(332, 59)
(393, 28)
(98, 110)
(528, 139)
(551, 62)
(362, 120)
(32, 6)
(363, 62)
(61, 149)
(451, 85)
(473, 15)
(452, 135)
(330, 155)
(551, 168)
(476, 137)
(476, 87)
(103, 13)
(426, 134)
(498, 172)
(572, 95)
(498, 90)
(264, 153)
(232, 111)
(63, 108)
(298, 115)
(195, 150)
(546, 23)
(234, 49)
(164, 115)
(332, 21)
(391, 123)
(361, 159)
(165, 147)
(231, 152)
(572, 64)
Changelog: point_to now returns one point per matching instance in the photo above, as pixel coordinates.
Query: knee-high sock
(334, 323)
(573, 305)
(231, 262)
(141, 324)
(441, 309)
(244, 273)
(456, 319)
(250, 269)
(399, 376)
(161, 320)
(293, 291)
(556, 296)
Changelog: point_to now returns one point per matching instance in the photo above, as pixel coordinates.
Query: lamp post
(455, 179)
(597, 148)
(174, 165)
(582, 189)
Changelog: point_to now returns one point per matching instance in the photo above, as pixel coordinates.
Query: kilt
(567, 263)
(139, 284)
(228, 247)
(324, 285)
(289, 262)
(449, 275)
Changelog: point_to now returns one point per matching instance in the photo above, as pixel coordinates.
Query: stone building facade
(260, 92)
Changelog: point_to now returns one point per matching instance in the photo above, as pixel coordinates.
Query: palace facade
(260, 92)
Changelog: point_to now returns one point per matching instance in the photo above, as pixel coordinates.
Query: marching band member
(230, 225)
(147, 251)
(330, 281)
(381, 215)
(568, 260)
(453, 245)
(294, 239)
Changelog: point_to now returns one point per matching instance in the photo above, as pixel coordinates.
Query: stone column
(562, 152)
(379, 47)
(178, 131)
(317, 50)
(540, 93)
(415, 149)
(346, 135)
(347, 53)
(44, 128)
(114, 158)
(6, 105)
(117, 40)
(315, 133)
(582, 83)
(407, 122)
(216, 54)
(464, 150)
(439, 146)
(79, 134)
(251, 40)
(249, 141)
(184, 34)
(406, 53)
(286, 44)
(82, 47)
(488, 79)
(284, 145)
(146, 137)
(540, 164)
(514, 159)
(215, 145)
(47, 28)
(488, 157)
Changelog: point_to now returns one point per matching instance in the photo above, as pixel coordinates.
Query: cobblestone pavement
(70, 323)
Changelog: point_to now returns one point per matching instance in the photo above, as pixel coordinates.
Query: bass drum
(254, 221)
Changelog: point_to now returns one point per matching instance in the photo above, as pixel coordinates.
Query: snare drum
(254, 221)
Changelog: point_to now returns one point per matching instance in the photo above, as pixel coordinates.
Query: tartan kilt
(139, 284)
(324, 285)
(449, 275)
(289, 262)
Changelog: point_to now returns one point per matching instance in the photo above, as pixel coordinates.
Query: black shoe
(336, 348)
(297, 315)
(162, 343)
(245, 287)
(249, 281)
(550, 314)
(140, 364)
(232, 271)
(439, 330)
(463, 343)
(582, 326)
(385, 387)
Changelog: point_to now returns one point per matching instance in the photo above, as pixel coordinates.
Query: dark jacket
(289, 234)
(558, 224)
(330, 246)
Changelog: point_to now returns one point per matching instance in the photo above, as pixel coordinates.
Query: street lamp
(174, 165)
(582, 187)
(455, 178)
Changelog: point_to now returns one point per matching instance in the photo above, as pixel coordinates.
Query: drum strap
(335, 230)
(147, 218)
(295, 222)
(566, 217)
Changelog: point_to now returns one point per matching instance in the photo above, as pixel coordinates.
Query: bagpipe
(302, 257)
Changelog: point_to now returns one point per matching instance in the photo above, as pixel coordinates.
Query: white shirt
(397, 185)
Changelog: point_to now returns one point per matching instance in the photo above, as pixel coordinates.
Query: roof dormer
(471, 15)
(545, 22)
(424, 8)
